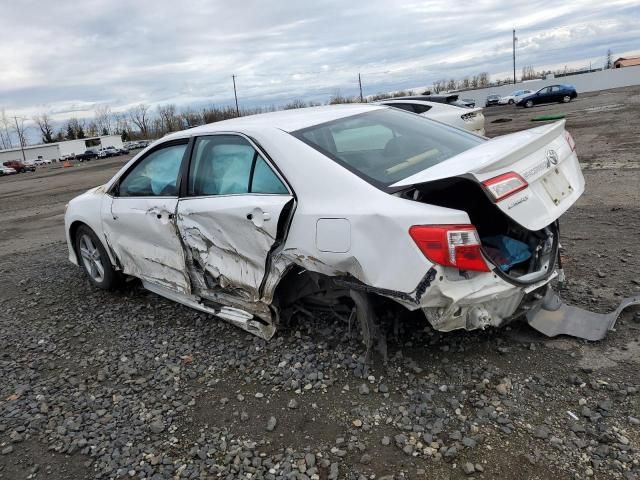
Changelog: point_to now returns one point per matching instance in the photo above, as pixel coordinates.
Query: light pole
(20, 139)
(360, 83)
(235, 94)
(515, 39)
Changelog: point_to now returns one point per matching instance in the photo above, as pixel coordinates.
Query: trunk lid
(542, 156)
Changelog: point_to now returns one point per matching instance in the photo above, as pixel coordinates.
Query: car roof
(286, 120)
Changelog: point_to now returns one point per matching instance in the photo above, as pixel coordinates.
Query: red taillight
(450, 245)
(505, 185)
(570, 141)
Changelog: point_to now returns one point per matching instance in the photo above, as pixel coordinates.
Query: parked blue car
(550, 94)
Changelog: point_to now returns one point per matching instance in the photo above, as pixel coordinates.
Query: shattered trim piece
(557, 318)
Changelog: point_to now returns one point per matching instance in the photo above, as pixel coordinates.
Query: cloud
(65, 57)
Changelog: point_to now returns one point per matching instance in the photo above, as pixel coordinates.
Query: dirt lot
(126, 384)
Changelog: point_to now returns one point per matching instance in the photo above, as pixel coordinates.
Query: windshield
(386, 146)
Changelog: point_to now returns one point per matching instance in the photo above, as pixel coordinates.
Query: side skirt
(235, 316)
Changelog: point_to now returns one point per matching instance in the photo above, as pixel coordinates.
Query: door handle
(258, 216)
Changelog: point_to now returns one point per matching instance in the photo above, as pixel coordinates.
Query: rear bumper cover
(553, 317)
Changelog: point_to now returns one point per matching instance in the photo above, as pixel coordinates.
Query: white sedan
(351, 208)
(514, 97)
(7, 170)
(471, 119)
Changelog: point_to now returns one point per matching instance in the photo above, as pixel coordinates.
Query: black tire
(108, 278)
(511, 102)
(528, 104)
(566, 99)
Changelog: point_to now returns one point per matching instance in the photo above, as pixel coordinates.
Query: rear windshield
(386, 146)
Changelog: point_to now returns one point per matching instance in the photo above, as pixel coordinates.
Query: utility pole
(20, 139)
(235, 94)
(515, 39)
(360, 83)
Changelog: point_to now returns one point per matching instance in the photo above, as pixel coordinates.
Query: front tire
(511, 102)
(566, 99)
(528, 104)
(94, 259)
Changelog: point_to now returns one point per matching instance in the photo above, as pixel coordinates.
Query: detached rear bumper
(553, 317)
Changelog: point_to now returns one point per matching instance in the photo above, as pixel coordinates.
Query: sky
(65, 58)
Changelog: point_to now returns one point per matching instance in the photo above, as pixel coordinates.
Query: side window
(228, 165)
(265, 180)
(156, 175)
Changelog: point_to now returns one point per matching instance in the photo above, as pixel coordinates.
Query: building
(55, 151)
(626, 62)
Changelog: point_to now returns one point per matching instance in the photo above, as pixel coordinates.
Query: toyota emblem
(552, 158)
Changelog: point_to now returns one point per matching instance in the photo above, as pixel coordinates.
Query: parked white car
(340, 207)
(7, 170)
(514, 97)
(41, 161)
(471, 119)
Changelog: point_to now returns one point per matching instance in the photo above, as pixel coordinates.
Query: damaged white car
(347, 208)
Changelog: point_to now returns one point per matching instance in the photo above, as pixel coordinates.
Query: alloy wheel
(91, 258)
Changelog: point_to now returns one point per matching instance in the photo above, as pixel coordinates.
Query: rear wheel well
(301, 290)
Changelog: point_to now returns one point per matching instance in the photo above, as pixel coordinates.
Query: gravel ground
(129, 385)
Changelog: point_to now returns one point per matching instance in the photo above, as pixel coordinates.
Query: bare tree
(451, 85)
(139, 116)
(529, 73)
(123, 127)
(169, 121)
(75, 129)
(190, 118)
(19, 128)
(103, 119)
(93, 130)
(483, 79)
(337, 97)
(5, 124)
(43, 122)
(295, 104)
(609, 60)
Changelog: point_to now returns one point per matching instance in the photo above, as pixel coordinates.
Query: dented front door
(139, 218)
